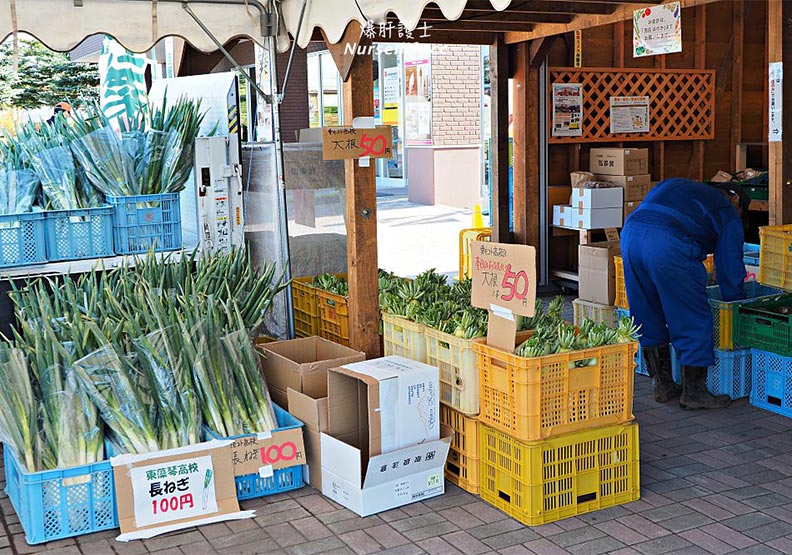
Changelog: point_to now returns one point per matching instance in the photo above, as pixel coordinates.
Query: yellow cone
(478, 219)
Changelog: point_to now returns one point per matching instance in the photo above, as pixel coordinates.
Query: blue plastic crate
(145, 222)
(79, 234)
(751, 254)
(56, 504)
(772, 382)
(22, 239)
(252, 486)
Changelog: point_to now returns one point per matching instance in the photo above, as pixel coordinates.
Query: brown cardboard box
(636, 187)
(629, 208)
(597, 273)
(619, 161)
(313, 414)
(302, 364)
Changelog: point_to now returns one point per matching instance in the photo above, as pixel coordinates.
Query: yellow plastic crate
(621, 291)
(304, 308)
(775, 252)
(462, 466)
(542, 397)
(459, 376)
(403, 337)
(545, 481)
(466, 237)
(594, 311)
(333, 315)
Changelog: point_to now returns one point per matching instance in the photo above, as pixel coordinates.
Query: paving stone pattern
(712, 483)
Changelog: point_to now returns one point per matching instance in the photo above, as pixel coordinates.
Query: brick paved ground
(712, 482)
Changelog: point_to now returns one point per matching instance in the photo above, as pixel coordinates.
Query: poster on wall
(567, 109)
(775, 127)
(657, 30)
(418, 95)
(391, 95)
(629, 114)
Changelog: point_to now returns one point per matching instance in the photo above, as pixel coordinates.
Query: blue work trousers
(666, 287)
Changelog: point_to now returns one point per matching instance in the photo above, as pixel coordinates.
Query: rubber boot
(694, 391)
(658, 363)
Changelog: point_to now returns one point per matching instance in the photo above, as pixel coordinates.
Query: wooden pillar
(697, 157)
(361, 198)
(499, 151)
(738, 33)
(779, 45)
(526, 147)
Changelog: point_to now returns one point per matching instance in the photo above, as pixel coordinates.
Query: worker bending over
(664, 242)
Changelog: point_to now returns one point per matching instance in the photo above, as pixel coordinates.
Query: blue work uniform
(663, 244)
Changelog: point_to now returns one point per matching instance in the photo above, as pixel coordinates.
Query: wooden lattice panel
(681, 102)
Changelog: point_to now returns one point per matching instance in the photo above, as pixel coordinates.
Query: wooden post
(499, 149)
(738, 33)
(526, 147)
(779, 40)
(697, 158)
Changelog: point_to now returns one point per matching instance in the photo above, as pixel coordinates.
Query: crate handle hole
(764, 322)
(505, 496)
(453, 469)
(445, 345)
(585, 498)
(774, 401)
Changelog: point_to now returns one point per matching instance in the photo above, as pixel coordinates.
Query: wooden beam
(622, 13)
(538, 50)
(485, 18)
(541, 6)
(526, 148)
(361, 219)
(477, 27)
(779, 42)
(343, 56)
(738, 34)
(499, 151)
(618, 44)
(435, 36)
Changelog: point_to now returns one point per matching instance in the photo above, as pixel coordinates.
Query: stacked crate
(556, 433)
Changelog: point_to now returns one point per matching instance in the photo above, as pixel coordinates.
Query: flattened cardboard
(596, 272)
(579, 178)
(351, 143)
(636, 187)
(283, 449)
(390, 480)
(587, 199)
(384, 404)
(313, 414)
(302, 364)
(224, 484)
(504, 277)
(619, 161)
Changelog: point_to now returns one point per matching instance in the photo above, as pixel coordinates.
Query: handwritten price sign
(350, 143)
(504, 277)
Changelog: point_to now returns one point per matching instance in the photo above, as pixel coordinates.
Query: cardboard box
(586, 199)
(384, 404)
(636, 187)
(367, 486)
(597, 218)
(629, 208)
(579, 178)
(313, 414)
(302, 364)
(596, 272)
(751, 273)
(619, 161)
(564, 216)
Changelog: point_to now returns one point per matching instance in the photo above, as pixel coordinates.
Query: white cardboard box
(392, 401)
(587, 199)
(562, 216)
(387, 482)
(598, 218)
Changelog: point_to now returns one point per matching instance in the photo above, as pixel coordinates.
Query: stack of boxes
(626, 167)
(597, 283)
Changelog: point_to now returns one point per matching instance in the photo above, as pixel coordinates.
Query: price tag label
(612, 234)
(352, 143)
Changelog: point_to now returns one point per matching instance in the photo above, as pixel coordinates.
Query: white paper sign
(776, 126)
(657, 30)
(567, 109)
(173, 490)
(629, 114)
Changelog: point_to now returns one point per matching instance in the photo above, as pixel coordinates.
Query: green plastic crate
(761, 326)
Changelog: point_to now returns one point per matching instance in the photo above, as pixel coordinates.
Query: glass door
(389, 102)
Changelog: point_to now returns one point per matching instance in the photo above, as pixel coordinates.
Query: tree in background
(44, 77)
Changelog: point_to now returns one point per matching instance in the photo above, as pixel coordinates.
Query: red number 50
(511, 282)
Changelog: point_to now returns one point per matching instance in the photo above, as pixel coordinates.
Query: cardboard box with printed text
(619, 161)
(636, 187)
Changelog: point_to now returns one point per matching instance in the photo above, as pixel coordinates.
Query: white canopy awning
(333, 16)
(139, 24)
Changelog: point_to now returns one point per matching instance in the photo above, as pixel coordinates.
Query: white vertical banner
(775, 88)
(122, 82)
(170, 72)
